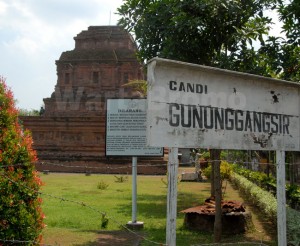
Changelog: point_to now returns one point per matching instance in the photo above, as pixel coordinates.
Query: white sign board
(126, 128)
(193, 106)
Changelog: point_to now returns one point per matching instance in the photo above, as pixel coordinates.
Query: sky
(34, 33)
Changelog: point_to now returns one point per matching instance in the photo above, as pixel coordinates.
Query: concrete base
(189, 176)
(138, 225)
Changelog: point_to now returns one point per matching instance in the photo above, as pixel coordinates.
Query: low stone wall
(232, 223)
(105, 167)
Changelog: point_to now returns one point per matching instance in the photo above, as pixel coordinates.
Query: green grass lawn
(71, 223)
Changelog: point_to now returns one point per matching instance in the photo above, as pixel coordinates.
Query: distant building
(71, 130)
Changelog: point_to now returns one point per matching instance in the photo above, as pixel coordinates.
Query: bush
(268, 204)
(225, 170)
(121, 179)
(21, 217)
(269, 183)
(102, 185)
(263, 199)
(293, 226)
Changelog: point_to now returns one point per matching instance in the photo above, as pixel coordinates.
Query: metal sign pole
(281, 200)
(172, 197)
(134, 188)
(134, 224)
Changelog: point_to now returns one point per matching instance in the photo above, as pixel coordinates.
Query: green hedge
(269, 183)
(263, 199)
(268, 205)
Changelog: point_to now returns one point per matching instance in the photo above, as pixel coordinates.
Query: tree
(26, 112)
(193, 31)
(289, 14)
(21, 217)
(278, 56)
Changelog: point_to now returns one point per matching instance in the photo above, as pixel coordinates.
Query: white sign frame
(194, 106)
(174, 85)
(126, 129)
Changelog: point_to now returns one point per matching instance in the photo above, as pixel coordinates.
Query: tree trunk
(212, 174)
(296, 167)
(218, 195)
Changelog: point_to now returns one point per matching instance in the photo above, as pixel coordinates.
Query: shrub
(293, 226)
(269, 183)
(225, 170)
(121, 179)
(268, 204)
(263, 199)
(293, 195)
(102, 185)
(21, 217)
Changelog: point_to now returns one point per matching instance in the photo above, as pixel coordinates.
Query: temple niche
(70, 134)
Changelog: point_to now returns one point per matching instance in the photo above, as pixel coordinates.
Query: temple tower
(102, 61)
(70, 135)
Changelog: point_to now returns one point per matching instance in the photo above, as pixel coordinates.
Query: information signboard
(193, 106)
(126, 129)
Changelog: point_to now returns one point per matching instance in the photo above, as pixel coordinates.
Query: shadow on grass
(147, 237)
(111, 238)
(150, 206)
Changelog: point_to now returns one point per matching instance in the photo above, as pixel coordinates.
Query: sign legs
(281, 200)
(172, 197)
(134, 224)
(134, 188)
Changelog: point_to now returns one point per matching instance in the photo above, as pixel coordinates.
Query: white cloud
(3, 7)
(34, 33)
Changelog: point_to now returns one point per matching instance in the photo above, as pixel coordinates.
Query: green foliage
(225, 170)
(206, 155)
(26, 112)
(102, 185)
(180, 29)
(278, 56)
(289, 13)
(21, 217)
(293, 195)
(268, 205)
(263, 199)
(293, 226)
(261, 179)
(269, 183)
(121, 179)
(138, 85)
(104, 221)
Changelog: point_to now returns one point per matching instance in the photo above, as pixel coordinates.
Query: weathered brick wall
(72, 129)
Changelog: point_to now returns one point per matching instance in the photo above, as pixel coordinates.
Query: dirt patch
(124, 238)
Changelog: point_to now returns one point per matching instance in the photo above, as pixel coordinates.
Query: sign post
(172, 197)
(281, 200)
(194, 106)
(134, 189)
(126, 136)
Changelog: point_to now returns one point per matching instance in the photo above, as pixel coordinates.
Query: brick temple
(70, 134)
